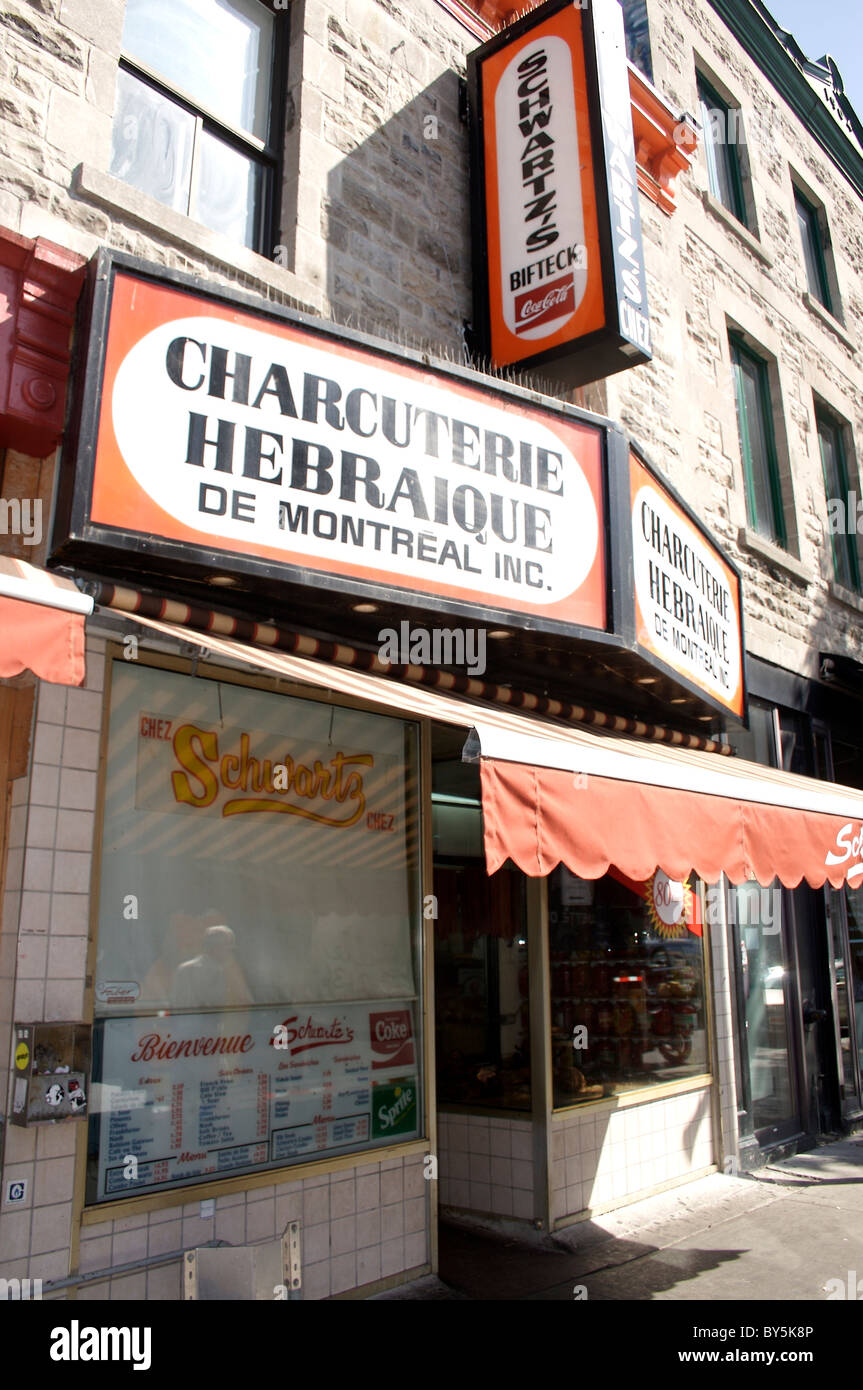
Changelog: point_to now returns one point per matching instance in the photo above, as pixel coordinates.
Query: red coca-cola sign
(545, 302)
(392, 1038)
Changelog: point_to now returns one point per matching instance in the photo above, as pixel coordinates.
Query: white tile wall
(357, 1226)
(611, 1155)
(486, 1165)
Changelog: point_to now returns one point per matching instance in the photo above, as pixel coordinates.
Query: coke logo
(535, 307)
(391, 1035)
(531, 307)
(385, 1030)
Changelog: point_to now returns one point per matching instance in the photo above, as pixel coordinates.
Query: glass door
(765, 982)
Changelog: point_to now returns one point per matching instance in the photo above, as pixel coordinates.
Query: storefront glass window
(628, 998)
(482, 1019)
(854, 909)
(257, 974)
(765, 980)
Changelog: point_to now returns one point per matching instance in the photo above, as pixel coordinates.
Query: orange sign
(224, 433)
(559, 264)
(544, 264)
(687, 596)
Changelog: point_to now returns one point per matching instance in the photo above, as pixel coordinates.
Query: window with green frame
(846, 565)
(813, 250)
(723, 129)
(764, 508)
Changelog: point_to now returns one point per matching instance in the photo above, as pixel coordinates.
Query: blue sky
(830, 26)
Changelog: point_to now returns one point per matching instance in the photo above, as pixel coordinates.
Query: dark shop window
(628, 1002)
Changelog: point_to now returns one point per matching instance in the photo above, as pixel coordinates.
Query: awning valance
(591, 802)
(554, 794)
(41, 623)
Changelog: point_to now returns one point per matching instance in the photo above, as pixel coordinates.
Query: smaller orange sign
(558, 255)
(544, 262)
(687, 596)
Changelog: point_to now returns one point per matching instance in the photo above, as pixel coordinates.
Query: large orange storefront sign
(558, 260)
(213, 437)
(316, 472)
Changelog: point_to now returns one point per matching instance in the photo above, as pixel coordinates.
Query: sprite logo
(394, 1108)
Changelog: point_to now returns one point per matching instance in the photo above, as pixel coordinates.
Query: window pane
(807, 221)
(637, 36)
(836, 486)
(765, 976)
(752, 406)
(228, 190)
(482, 1018)
(757, 743)
(219, 53)
(628, 1005)
(258, 909)
(722, 128)
(854, 905)
(152, 143)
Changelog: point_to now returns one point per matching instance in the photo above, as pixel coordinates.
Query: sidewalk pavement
(779, 1234)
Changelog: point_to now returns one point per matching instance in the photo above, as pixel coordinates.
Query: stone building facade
(374, 233)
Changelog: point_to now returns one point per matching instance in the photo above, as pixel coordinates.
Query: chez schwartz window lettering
(264, 1010)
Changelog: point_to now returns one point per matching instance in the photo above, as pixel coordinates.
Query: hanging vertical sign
(559, 268)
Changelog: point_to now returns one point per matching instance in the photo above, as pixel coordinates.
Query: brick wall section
(380, 214)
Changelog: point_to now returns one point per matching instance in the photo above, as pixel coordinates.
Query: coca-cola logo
(391, 1038)
(538, 306)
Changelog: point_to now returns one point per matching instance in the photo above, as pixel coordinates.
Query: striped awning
(593, 799)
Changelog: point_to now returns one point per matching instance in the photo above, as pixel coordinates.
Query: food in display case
(627, 1005)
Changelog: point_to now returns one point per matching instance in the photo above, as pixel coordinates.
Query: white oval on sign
(539, 190)
(333, 492)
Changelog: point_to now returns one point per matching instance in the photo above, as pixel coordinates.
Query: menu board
(185, 1096)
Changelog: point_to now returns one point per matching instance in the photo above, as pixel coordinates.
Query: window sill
(829, 320)
(846, 596)
(750, 540)
(116, 196)
(721, 213)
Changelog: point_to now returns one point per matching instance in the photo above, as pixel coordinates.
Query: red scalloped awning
(41, 624)
(671, 810)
